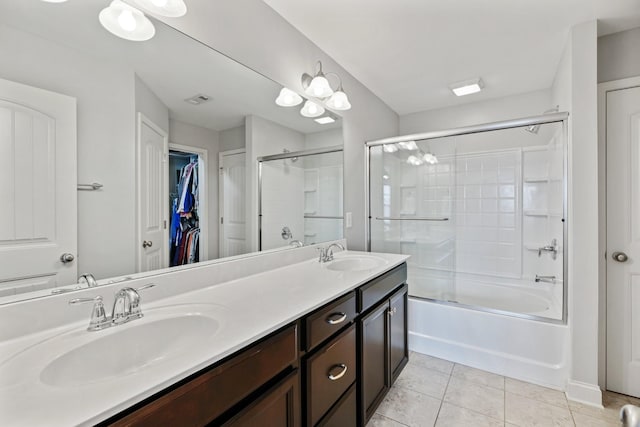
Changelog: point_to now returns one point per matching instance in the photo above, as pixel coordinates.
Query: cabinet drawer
(209, 395)
(345, 413)
(326, 321)
(330, 372)
(374, 291)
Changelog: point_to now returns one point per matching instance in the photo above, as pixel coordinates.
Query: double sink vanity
(280, 338)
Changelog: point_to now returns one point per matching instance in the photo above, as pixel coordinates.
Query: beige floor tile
(582, 420)
(410, 407)
(608, 413)
(423, 380)
(525, 412)
(476, 397)
(451, 416)
(430, 362)
(478, 376)
(381, 421)
(536, 392)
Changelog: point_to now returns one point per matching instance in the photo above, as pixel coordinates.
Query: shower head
(535, 128)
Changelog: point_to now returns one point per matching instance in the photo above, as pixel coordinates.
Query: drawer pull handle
(341, 374)
(335, 318)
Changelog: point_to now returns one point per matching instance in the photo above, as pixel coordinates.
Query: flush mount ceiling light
(168, 8)
(318, 86)
(311, 109)
(408, 145)
(324, 120)
(288, 98)
(467, 87)
(126, 22)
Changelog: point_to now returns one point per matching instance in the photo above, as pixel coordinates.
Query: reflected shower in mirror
(168, 129)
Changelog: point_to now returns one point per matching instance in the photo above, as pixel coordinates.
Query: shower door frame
(561, 117)
(290, 155)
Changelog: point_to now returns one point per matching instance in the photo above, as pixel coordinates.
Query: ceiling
(408, 52)
(173, 65)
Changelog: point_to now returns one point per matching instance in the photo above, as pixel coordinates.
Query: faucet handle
(99, 318)
(147, 286)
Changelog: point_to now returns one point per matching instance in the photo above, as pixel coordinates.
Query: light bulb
(339, 101)
(126, 20)
(311, 109)
(288, 98)
(319, 87)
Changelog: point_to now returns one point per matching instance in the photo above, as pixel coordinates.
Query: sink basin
(355, 263)
(79, 358)
(128, 351)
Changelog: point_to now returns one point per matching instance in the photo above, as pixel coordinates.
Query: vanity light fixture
(126, 22)
(288, 98)
(324, 120)
(415, 160)
(168, 8)
(430, 158)
(467, 87)
(408, 145)
(318, 86)
(311, 109)
(390, 148)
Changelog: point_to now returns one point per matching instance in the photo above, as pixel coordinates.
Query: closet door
(38, 193)
(153, 196)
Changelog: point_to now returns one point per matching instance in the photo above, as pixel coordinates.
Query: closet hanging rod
(322, 217)
(391, 218)
(90, 187)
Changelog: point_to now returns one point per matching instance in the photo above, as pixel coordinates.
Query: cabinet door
(278, 407)
(398, 345)
(373, 356)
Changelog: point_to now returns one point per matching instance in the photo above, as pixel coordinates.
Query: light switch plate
(348, 220)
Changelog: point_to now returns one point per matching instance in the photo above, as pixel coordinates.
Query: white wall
(150, 105)
(255, 35)
(106, 131)
(232, 139)
(619, 55)
(265, 137)
(511, 107)
(322, 139)
(575, 90)
(196, 136)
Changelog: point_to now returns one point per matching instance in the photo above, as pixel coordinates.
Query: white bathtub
(518, 347)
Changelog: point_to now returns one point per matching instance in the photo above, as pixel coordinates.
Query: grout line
(389, 418)
(443, 396)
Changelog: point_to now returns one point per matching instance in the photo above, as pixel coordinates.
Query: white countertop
(247, 309)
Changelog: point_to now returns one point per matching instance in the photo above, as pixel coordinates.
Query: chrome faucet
(296, 243)
(552, 248)
(126, 307)
(326, 254)
(548, 279)
(84, 281)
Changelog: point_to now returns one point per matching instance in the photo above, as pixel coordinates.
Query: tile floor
(436, 392)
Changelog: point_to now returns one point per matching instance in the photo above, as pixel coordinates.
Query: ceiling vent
(198, 99)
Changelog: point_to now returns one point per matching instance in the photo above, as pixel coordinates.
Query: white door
(38, 188)
(232, 203)
(152, 195)
(623, 241)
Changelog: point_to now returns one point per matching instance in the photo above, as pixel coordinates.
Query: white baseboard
(589, 394)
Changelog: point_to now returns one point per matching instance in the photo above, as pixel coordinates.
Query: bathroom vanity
(306, 343)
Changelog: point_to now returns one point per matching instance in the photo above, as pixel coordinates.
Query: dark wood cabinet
(384, 349)
(278, 407)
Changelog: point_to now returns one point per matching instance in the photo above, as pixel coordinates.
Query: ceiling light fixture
(288, 98)
(168, 8)
(311, 109)
(126, 22)
(390, 148)
(467, 87)
(408, 145)
(318, 86)
(324, 120)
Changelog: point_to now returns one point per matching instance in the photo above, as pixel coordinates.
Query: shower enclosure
(300, 197)
(482, 212)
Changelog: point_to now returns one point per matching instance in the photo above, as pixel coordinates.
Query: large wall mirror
(120, 158)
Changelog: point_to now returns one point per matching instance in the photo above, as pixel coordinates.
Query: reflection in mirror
(169, 129)
(300, 197)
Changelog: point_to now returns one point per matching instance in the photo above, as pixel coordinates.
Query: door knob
(66, 258)
(147, 244)
(619, 256)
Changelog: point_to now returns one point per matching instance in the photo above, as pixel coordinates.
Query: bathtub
(493, 324)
